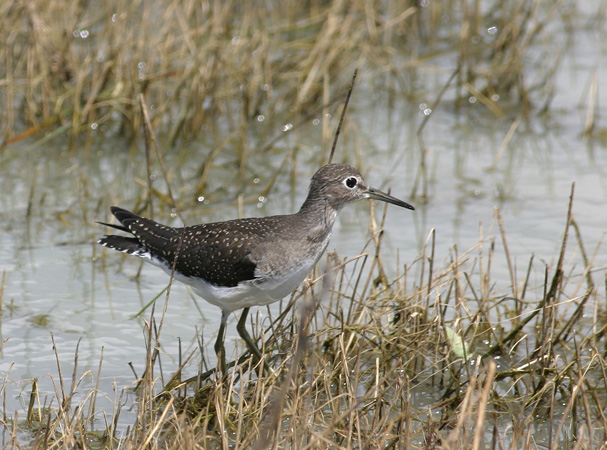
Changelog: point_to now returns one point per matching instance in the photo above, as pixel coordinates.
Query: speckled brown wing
(219, 253)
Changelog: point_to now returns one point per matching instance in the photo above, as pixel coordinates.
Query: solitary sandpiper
(247, 262)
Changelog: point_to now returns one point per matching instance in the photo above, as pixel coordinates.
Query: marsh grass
(431, 353)
(243, 79)
(209, 69)
(432, 357)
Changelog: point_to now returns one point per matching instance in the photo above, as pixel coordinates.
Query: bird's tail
(147, 236)
(130, 245)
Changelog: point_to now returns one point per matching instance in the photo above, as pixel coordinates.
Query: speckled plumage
(232, 264)
(246, 262)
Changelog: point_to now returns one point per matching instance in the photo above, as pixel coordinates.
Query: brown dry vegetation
(210, 67)
(433, 357)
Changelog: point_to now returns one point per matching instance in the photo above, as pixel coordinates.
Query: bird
(241, 263)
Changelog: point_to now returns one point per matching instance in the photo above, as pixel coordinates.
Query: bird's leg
(242, 331)
(220, 349)
(244, 334)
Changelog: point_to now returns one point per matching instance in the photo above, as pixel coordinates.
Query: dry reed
(424, 361)
(425, 355)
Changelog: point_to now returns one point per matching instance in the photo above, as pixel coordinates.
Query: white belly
(252, 292)
(257, 292)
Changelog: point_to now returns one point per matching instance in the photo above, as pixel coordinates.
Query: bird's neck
(318, 215)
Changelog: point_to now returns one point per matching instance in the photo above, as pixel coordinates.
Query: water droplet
(84, 34)
(427, 112)
(472, 99)
(287, 127)
(492, 30)
(328, 116)
(262, 199)
(141, 67)
(235, 40)
(266, 87)
(255, 180)
(316, 122)
(76, 33)
(200, 199)
(495, 97)
(261, 118)
(94, 126)
(114, 17)
(422, 106)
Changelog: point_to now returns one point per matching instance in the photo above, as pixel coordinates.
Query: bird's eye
(351, 182)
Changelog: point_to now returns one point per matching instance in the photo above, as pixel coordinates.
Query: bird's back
(221, 253)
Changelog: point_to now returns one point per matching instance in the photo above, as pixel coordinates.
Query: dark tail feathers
(128, 245)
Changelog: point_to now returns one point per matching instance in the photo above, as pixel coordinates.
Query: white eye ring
(351, 182)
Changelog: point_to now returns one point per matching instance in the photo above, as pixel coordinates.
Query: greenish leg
(220, 349)
(244, 334)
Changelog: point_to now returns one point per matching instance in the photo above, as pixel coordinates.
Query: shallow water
(55, 282)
